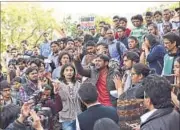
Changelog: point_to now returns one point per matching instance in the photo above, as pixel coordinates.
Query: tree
(24, 21)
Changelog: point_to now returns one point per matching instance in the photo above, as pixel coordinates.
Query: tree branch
(41, 35)
(12, 34)
(32, 33)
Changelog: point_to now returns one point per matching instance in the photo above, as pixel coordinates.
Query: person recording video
(19, 124)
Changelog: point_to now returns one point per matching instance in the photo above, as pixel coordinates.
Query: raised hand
(117, 81)
(36, 120)
(56, 85)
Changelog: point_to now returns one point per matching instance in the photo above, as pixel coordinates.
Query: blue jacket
(156, 57)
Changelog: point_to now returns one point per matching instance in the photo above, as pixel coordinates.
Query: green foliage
(171, 5)
(101, 18)
(24, 21)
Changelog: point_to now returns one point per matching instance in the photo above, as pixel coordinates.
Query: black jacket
(88, 118)
(162, 119)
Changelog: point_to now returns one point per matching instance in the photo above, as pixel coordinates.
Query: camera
(44, 113)
(36, 97)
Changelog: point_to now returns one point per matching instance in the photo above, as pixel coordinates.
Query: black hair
(141, 69)
(16, 79)
(116, 17)
(132, 56)
(123, 19)
(88, 93)
(90, 43)
(105, 29)
(108, 25)
(153, 39)
(149, 13)
(170, 24)
(55, 42)
(166, 10)
(21, 60)
(158, 89)
(8, 115)
(62, 73)
(157, 12)
(102, 44)
(4, 84)
(139, 17)
(102, 22)
(178, 59)
(14, 65)
(153, 25)
(13, 49)
(34, 62)
(0, 67)
(78, 25)
(172, 37)
(70, 39)
(41, 63)
(133, 38)
(105, 124)
(103, 57)
(30, 69)
(122, 28)
(88, 37)
(62, 54)
(78, 39)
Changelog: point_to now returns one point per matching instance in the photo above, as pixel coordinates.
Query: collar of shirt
(147, 115)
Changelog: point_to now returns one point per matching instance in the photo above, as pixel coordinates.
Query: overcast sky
(77, 9)
(100, 8)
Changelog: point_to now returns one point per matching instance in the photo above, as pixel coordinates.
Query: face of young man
(158, 17)
(166, 15)
(100, 63)
(121, 33)
(6, 93)
(127, 63)
(168, 45)
(90, 49)
(101, 50)
(116, 22)
(137, 22)
(122, 23)
(55, 48)
(151, 30)
(149, 19)
(110, 35)
(132, 44)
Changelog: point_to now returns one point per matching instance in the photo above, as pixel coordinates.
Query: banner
(87, 22)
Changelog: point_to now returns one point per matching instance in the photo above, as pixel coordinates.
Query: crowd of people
(117, 78)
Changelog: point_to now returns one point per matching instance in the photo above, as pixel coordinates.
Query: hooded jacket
(156, 55)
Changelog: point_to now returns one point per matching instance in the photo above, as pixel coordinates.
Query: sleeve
(16, 126)
(23, 95)
(55, 105)
(123, 48)
(83, 62)
(81, 70)
(154, 54)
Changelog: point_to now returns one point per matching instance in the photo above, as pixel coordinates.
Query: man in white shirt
(157, 99)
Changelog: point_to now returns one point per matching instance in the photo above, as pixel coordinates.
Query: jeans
(68, 125)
